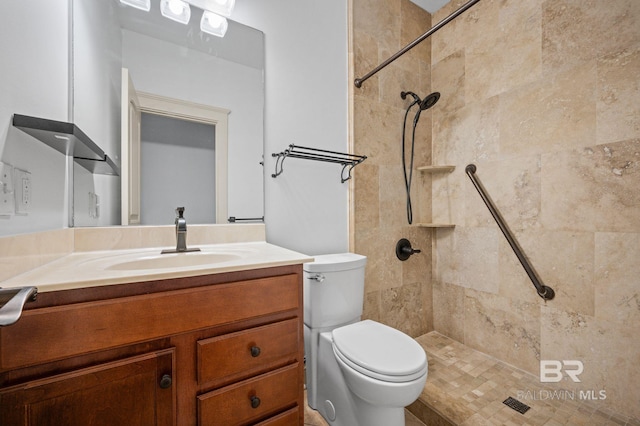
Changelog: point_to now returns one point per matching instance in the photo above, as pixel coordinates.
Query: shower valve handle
(404, 249)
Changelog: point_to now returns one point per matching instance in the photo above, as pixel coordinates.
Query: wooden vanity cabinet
(223, 349)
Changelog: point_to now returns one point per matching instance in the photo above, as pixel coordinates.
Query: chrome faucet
(181, 230)
(181, 234)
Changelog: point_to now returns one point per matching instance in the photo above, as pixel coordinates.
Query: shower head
(429, 101)
(425, 103)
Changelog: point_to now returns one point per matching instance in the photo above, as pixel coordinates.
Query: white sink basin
(173, 260)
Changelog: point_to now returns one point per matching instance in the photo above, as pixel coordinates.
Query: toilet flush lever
(317, 277)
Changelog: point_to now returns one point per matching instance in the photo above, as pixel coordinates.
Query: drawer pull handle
(165, 381)
(255, 402)
(255, 351)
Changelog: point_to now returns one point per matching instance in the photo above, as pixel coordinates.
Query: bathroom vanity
(214, 348)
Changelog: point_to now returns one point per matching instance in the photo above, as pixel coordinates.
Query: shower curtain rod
(358, 81)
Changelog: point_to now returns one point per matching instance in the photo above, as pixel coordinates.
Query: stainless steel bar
(545, 292)
(358, 81)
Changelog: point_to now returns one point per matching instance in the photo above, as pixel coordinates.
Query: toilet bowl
(358, 372)
(380, 364)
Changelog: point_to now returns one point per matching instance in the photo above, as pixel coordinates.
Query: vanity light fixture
(138, 4)
(220, 7)
(213, 24)
(176, 10)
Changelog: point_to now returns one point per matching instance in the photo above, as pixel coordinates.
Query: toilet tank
(333, 289)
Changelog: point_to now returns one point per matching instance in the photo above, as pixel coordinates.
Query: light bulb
(213, 24)
(176, 10)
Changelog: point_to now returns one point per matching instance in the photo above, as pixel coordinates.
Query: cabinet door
(134, 391)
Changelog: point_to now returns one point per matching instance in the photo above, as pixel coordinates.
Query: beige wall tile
(447, 77)
(448, 310)
(617, 277)
(449, 38)
(365, 59)
(399, 310)
(383, 269)
(366, 196)
(448, 197)
(397, 293)
(576, 32)
(610, 352)
(504, 48)
(468, 257)
(553, 114)
(514, 187)
(549, 114)
(563, 261)
(378, 131)
(591, 188)
(506, 329)
(468, 134)
(618, 102)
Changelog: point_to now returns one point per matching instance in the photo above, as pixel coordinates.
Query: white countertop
(100, 268)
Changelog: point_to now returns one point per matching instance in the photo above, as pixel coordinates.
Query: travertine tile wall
(544, 97)
(396, 293)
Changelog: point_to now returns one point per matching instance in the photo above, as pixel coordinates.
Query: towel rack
(348, 161)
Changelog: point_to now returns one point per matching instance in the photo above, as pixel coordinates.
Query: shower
(423, 104)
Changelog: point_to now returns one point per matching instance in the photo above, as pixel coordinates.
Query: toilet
(358, 373)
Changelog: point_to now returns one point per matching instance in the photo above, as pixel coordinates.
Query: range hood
(68, 139)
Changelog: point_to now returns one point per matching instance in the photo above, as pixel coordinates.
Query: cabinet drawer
(53, 333)
(288, 418)
(249, 400)
(248, 352)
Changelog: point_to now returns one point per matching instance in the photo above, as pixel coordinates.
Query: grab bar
(12, 301)
(545, 292)
(358, 81)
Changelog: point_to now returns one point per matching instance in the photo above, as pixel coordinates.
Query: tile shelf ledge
(437, 169)
(68, 139)
(434, 225)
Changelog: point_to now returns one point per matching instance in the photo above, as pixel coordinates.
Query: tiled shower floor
(467, 387)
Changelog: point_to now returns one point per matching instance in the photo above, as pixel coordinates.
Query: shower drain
(516, 405)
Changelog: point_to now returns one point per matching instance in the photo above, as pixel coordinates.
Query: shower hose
(408, 174)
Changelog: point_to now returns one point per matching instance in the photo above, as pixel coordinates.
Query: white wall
(306, 208)
(96, 103)
(34, 75)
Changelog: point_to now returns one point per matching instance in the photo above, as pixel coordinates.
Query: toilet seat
(379, 351)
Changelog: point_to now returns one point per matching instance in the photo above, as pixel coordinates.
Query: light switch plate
(7, 201)
(22, 191)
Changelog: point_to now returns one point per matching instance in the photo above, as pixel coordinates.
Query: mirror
(172, 62)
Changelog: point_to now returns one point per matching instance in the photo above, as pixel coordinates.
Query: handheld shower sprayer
(423, 104)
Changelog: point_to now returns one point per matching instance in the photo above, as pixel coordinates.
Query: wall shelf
(436, 169)
(68, 139)
(435, 225)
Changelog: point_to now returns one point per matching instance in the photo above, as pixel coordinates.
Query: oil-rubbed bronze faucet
(181, 234)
